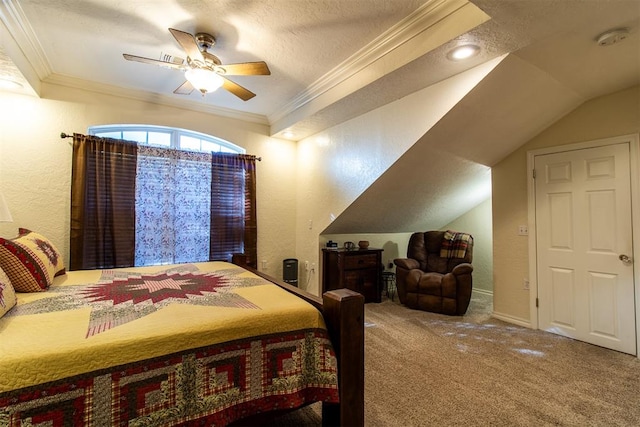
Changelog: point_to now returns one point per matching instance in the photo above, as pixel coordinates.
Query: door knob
(625, 258)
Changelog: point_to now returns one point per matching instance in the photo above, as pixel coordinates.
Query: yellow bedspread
(75, 328)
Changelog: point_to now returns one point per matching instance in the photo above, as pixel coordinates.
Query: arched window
(194, 194)
(168, 137)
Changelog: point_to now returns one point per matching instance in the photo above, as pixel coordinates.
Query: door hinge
(537, 303)
(533, 172)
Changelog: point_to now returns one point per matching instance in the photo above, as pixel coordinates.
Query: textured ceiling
(332, 60)
(300, 41)
(554, 68)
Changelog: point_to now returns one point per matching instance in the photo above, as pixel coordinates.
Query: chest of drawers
(359, 270)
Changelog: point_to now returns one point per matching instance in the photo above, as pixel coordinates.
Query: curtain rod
(66, 135)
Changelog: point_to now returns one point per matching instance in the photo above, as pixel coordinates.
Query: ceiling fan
(204, 71)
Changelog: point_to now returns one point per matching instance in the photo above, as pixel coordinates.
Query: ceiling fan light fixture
(204, 71)
(203, 79)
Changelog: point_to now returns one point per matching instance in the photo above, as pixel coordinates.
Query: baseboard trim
(482, 292)
(512, 319)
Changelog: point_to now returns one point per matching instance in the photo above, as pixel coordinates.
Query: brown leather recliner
(427, 281)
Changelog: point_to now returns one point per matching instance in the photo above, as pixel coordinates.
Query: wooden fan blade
(188, 43)
(184, 89)
(152, 61)
(237, 90)
(246, 69)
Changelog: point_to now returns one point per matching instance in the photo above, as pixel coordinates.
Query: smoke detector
(612, 37)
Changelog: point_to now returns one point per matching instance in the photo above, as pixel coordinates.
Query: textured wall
(35, 164)
(606, 116)
(337, 165)
(477, 222)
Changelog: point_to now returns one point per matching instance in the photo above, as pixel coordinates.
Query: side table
(389, 283)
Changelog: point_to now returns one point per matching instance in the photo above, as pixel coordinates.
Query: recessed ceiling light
(287, 134)
(463, 52)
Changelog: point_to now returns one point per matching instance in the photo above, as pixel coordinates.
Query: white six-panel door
(583, 229)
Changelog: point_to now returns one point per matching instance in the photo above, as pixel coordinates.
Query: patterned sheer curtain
(141, 205)
(173, 206)
(102, 203)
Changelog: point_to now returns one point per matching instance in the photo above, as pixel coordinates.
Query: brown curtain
(102, 203)
(234, 225)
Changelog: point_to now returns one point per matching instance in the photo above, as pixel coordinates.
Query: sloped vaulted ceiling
(447, 171)
(334, 60)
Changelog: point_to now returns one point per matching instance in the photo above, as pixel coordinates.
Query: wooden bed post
(343, 312)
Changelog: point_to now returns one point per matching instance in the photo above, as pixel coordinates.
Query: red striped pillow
(30, 261)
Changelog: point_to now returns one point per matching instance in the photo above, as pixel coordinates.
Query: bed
(190, 344)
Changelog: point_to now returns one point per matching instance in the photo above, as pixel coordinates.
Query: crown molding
(154, 98)
(18, 26)
(16, 23)
(424, 17)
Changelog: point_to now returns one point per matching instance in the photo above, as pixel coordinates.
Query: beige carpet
(424, 369)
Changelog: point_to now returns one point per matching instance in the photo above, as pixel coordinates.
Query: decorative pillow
(55, 253)
(30, 262)
(7, 294)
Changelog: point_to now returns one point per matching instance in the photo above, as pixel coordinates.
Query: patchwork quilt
(204, 343)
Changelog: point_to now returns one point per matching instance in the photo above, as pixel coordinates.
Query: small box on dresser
(359, 270)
